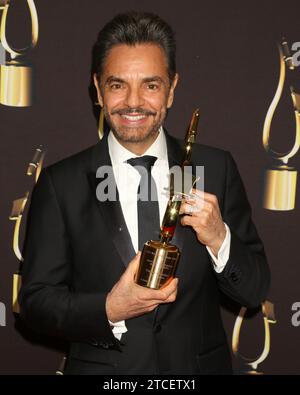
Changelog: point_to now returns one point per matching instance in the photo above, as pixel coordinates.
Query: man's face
(135, 91)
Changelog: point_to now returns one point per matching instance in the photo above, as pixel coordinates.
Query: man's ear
(96, 83)
(172, 89)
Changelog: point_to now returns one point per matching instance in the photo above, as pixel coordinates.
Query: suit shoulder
(210, 151)
(203, 152)
(75, 163)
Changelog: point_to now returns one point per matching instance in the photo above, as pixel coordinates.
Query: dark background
(228, 64)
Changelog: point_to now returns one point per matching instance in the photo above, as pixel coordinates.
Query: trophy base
(254, 373)
(280, 189)
(247, 372)
(16, 85)
(158, 264)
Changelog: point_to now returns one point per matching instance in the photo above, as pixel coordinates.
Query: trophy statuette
(159, 258)
(250, 365)
(34, 169)
(280, 180)
(16, 74)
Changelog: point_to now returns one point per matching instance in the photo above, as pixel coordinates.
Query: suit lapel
(111, 211)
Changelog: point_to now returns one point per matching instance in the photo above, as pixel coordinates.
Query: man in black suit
(80, 253)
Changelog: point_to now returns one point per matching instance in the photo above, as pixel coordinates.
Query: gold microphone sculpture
(281, 180)
(159, 258)
(16, 74)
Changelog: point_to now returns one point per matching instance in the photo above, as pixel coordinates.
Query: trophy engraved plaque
(159, 258)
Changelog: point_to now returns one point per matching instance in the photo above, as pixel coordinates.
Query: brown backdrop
(228, 63)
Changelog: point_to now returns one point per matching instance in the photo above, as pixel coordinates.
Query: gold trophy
(159, 258)
(251, 364)
(16, 74)
(34, 169)
(281, 180)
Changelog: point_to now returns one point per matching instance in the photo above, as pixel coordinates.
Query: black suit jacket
(76, 248)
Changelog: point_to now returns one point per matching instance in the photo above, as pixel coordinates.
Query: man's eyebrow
(112, 78)
(154, 78)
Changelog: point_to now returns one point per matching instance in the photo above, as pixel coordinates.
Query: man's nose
(134, 98)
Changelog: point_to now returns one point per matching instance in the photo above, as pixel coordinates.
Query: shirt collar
(120, 154)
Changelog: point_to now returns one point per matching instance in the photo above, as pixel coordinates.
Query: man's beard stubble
(139, 135)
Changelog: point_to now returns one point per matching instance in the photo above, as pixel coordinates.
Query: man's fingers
(164, 293)
(152, 304)
(133, 266)
(151, 307)
(157, 296)
(188, 208)
(172, 297)
(188, 220)
(209, 197)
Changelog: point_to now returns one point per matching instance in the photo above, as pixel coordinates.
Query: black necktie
(147, 204)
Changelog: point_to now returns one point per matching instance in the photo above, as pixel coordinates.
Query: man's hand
(128, 299)
(205, 218)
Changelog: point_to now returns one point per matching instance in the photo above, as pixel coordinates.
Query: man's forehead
(142, 61)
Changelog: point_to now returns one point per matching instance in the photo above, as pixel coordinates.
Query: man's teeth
(134, 117)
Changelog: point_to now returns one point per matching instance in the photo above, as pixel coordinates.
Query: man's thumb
(133, 265)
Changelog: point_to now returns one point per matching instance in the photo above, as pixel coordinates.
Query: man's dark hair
(134, 28)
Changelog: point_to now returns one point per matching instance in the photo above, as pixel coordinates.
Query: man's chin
(136, 135)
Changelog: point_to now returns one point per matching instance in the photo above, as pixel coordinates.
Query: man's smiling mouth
(134, 118)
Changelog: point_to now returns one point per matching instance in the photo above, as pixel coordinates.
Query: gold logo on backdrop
(281, 180)
(16, 73)
(34, 169)
(251, 364)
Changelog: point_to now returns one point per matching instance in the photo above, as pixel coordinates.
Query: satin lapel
(111, 211)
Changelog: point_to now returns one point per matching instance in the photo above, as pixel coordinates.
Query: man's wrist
(109, 314)
(216, 245)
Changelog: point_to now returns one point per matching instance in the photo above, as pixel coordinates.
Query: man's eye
(115, 86)
(152, 87)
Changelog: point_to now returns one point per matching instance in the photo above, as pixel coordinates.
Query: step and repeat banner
(239, 62)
